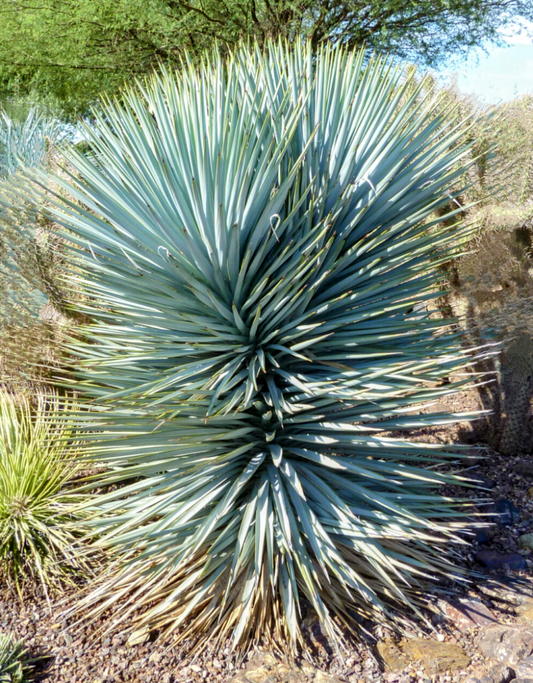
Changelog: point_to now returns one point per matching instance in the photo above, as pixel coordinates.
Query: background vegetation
(65, 53)
(492, 287)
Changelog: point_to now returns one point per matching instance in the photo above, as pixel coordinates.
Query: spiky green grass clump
(12, 658)
(258, 248)
(38, 461)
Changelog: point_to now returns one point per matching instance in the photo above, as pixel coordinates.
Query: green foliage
(67, 52)
(11, 660)
(38, 461)
(513, 133)
(257, 250)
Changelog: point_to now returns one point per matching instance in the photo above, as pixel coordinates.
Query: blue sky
(500, 75)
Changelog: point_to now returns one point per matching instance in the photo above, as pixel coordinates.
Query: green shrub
(38, 461)
(12, 656)
(257, 251)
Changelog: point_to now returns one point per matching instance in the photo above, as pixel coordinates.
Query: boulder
(492, 559)
(524, 610)
(524, 668)
(500, 673)
(507, 644)
(467, 613)
(504, 589)
(432, 656)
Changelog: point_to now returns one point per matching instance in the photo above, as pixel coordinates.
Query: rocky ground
(485, 635)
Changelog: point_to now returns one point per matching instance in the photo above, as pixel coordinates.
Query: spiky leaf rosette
(12, 659)
(253, 237)
(40, 522)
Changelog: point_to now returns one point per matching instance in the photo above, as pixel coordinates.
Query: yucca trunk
(257, 246)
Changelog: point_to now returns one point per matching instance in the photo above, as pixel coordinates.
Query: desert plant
(12, 655)
(257, 242)
(30, 253)
(38, 460)
(26, 142)
(492, 285)
(513, 132)
(492, 293)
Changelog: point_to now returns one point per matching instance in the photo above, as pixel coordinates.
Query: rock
(265, 668)
(504, 512)
(529, 493)
(138, 637)
(433, 656)
(492, 559)
(524, 610)
(500, 673)
(321, 677)
(481, 535)
(507, 644)
(523, 680)
(524, 668)
(466, 613)
(526, 541)
(503, 589)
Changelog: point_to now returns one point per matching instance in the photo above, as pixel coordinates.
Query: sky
(500, 75)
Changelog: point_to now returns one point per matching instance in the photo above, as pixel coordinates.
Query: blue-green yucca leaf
(256, 240)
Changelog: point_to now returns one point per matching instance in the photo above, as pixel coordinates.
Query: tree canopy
(69, 51)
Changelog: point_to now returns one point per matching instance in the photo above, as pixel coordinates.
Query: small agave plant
(39, 524)
(12, 657)
(257, 243)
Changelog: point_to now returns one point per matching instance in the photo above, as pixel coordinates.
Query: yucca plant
(39, 528)
(258, 242)
(12, 657)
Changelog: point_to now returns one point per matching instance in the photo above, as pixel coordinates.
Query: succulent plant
(258, 245)
(12, 657)
(39, 526)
